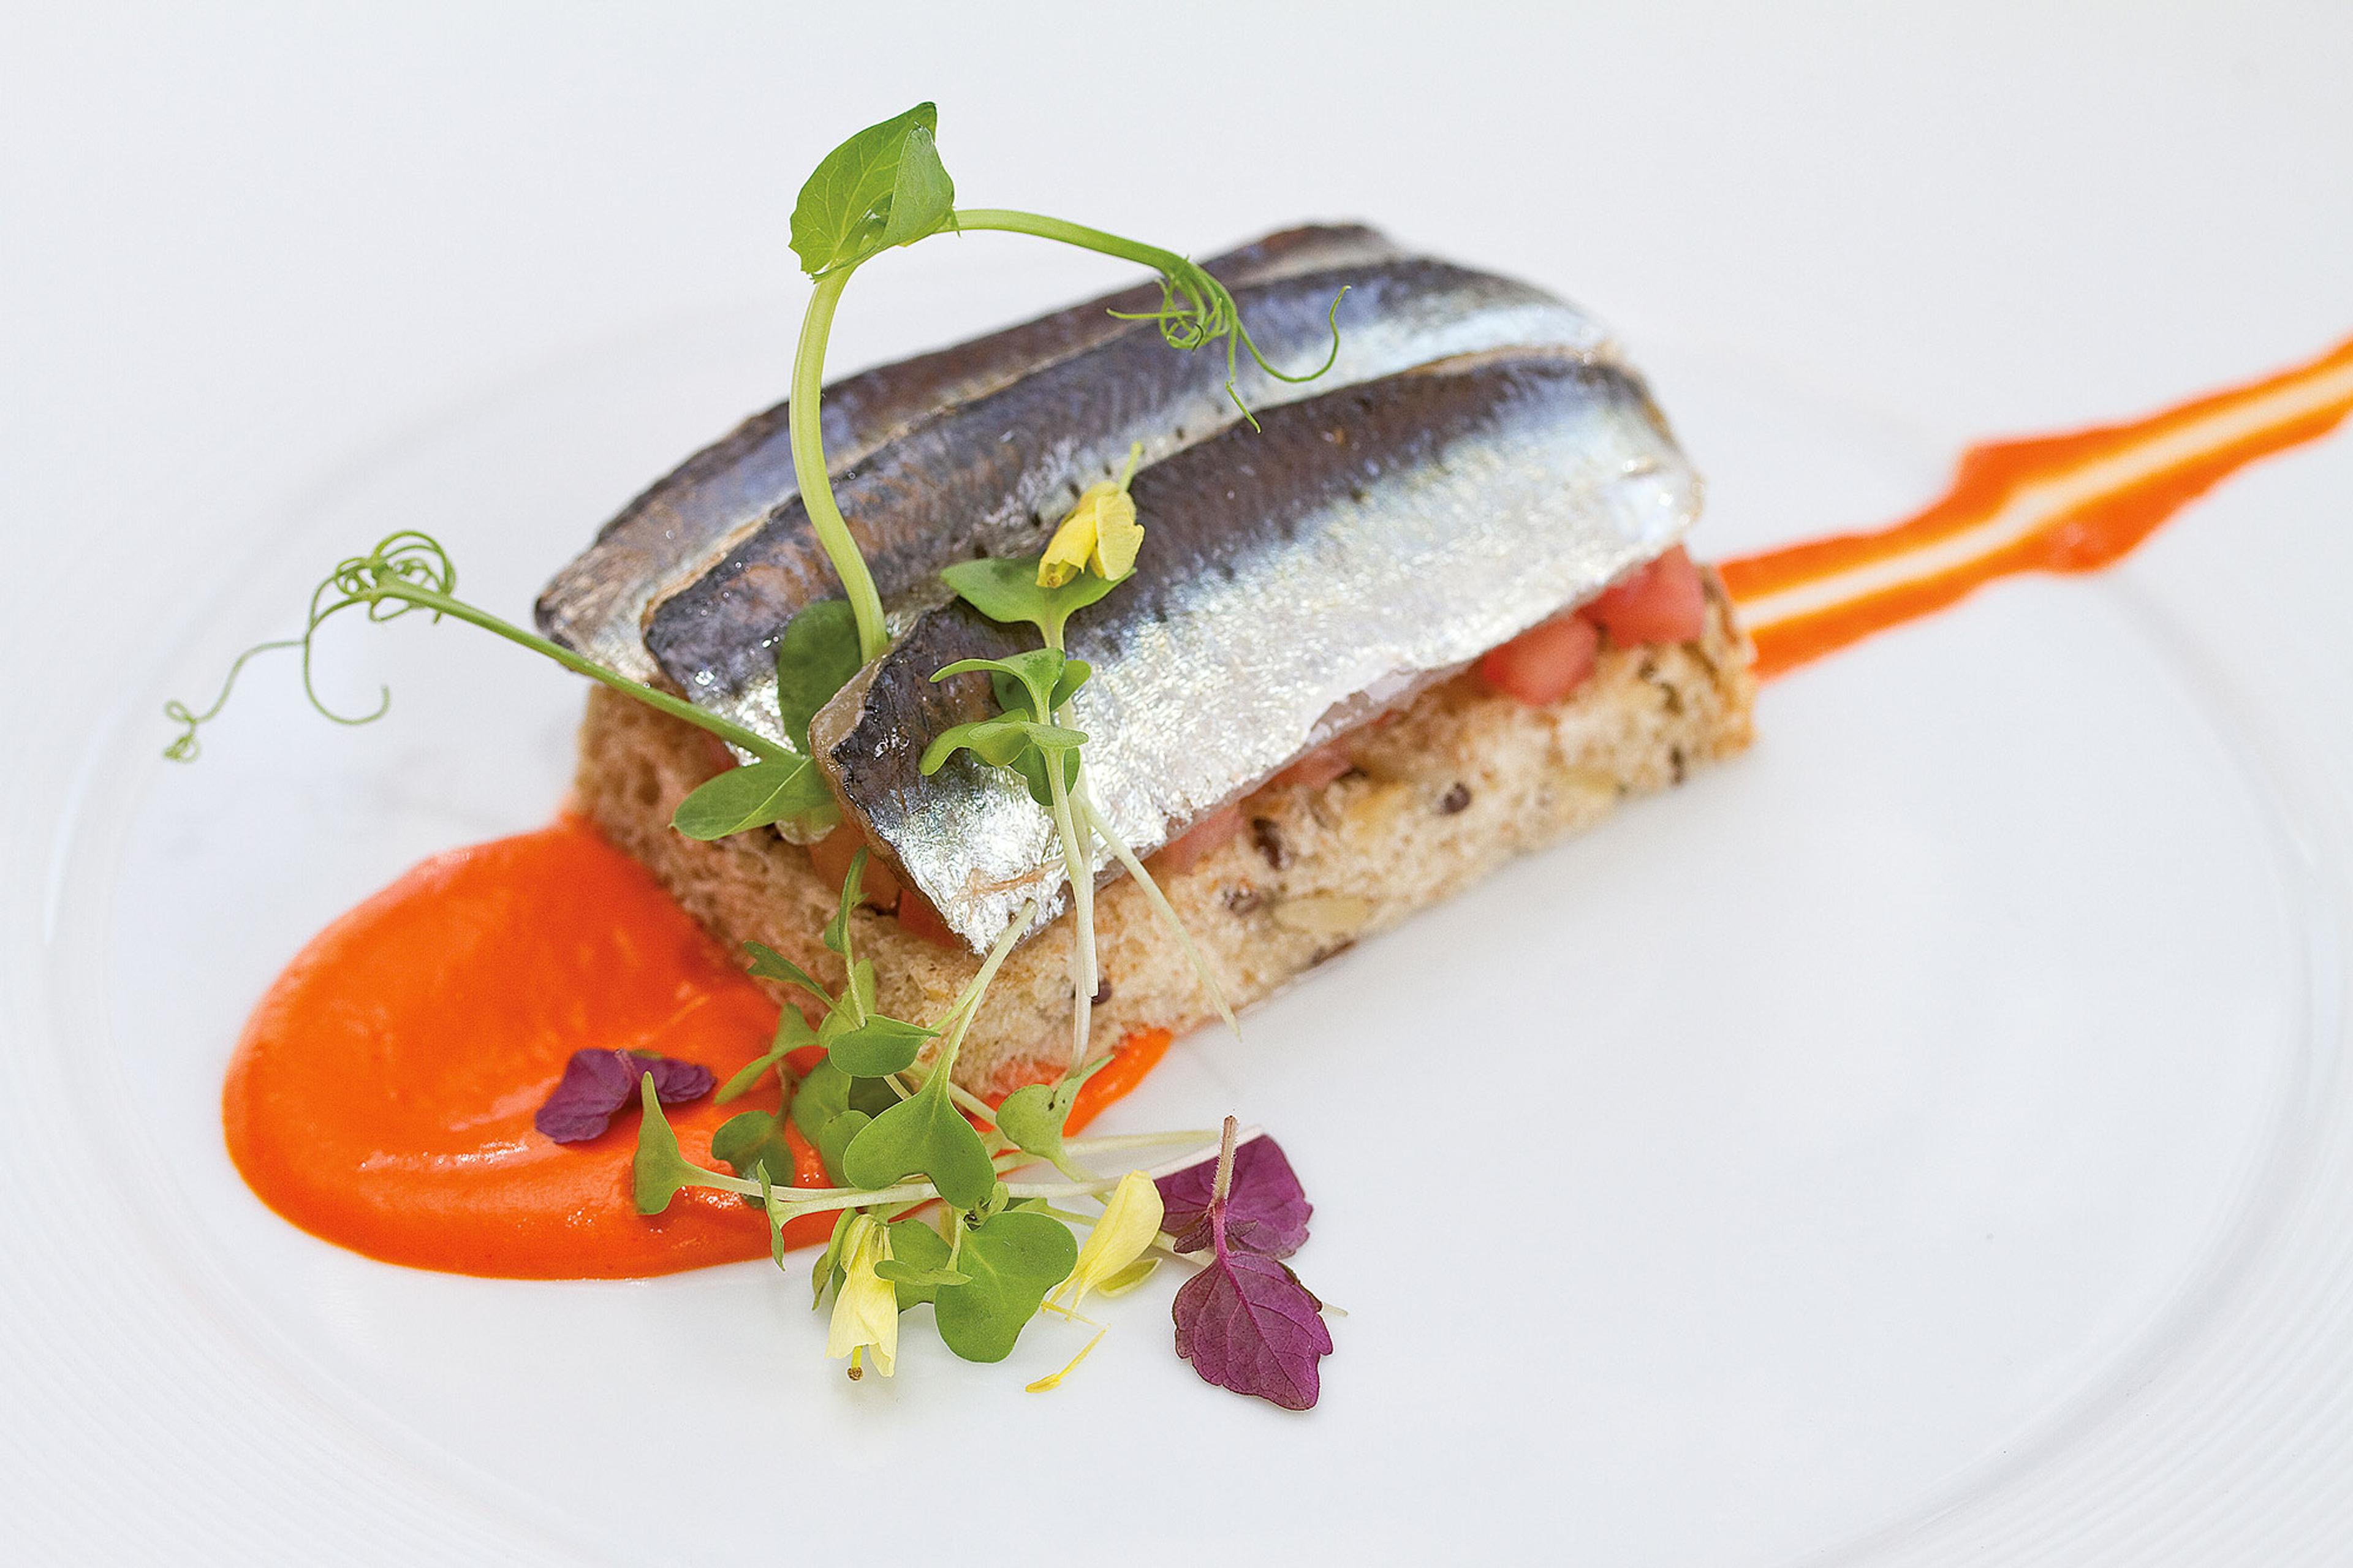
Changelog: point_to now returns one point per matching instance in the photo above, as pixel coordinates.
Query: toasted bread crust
(1459, 782)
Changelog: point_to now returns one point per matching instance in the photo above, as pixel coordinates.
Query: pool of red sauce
(382, 1094)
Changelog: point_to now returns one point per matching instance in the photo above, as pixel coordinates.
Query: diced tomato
(917, 918)
(831, 854)
(1314, 771)
(1188, 849)
(1545, 663)
(1662, 603)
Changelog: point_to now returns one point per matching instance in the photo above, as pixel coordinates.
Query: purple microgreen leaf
(598, 1084)
(1246, 1323)
(1266, 1209)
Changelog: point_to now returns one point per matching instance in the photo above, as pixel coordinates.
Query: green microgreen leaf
(833, 1137)
(1037, 675)
(1013, 1258)
(837, 930)
(828, 1268)
(753, 796)
(816, 657)
(878, 1047)
(827, 1092)
(752, 1142)
(660, 1169)
(767, 964)
(846, 208)
(922, 1135)
(1008, 590)
(918, 1264)
(1000, 742)
(1033, 1116)
(792, 1032)
(922, 198)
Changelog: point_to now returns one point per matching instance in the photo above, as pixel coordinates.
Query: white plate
(1922, 1139)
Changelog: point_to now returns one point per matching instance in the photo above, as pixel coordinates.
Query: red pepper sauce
(382, 1094)
(2055, 503)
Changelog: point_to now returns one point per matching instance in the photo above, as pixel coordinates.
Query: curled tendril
(1197, 311)
(401, 564)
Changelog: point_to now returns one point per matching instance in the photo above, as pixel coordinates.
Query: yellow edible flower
(1130, 1220)
(1112, 1261)
(1101, 535)
(866, 1308)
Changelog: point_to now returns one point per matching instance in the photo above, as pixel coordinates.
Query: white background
(243, 250)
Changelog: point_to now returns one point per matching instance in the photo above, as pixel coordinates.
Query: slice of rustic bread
(1457, 783)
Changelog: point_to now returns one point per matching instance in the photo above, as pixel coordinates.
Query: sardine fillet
(686, 521)
(1295, 581)
(993, 476)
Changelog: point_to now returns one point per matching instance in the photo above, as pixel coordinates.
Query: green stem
(1101, 826)
(809, 471)
(1079, 870)
(734, 734)
(1008, 221)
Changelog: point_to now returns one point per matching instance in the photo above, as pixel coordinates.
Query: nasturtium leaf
(923, 200)
(918, 1264)
(816, 657)
(878, 1046)
(1266, 1208)
(843, 211)
(767, 964)
(596, 1084)
(1246, 1323)
(754, 1140)
(660, 1169)
(1008, 590)
(924, 1135)
(834, 1137)
(1013, 1258)
(753, 796)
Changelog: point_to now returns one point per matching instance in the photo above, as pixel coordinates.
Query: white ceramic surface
(1926, 1140)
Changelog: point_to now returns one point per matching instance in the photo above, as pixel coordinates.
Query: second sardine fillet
(1294, 582)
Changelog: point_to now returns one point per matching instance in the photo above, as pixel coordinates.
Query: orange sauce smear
(2055, 503)
(381, 1095)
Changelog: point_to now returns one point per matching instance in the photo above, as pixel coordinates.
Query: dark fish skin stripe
(989, 478)
(1258, 514)
(686, 520)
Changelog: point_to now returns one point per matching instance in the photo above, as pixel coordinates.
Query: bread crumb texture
(1457, 783)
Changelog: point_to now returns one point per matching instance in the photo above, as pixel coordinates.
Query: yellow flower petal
(1074, 543)
(866, 1308)
(1118, 536)
(1130, 1220)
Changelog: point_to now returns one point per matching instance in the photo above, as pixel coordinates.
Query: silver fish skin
(993, 476)
(686, 521)
(1293, 583)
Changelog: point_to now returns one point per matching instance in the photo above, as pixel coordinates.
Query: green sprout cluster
(923, 1177)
